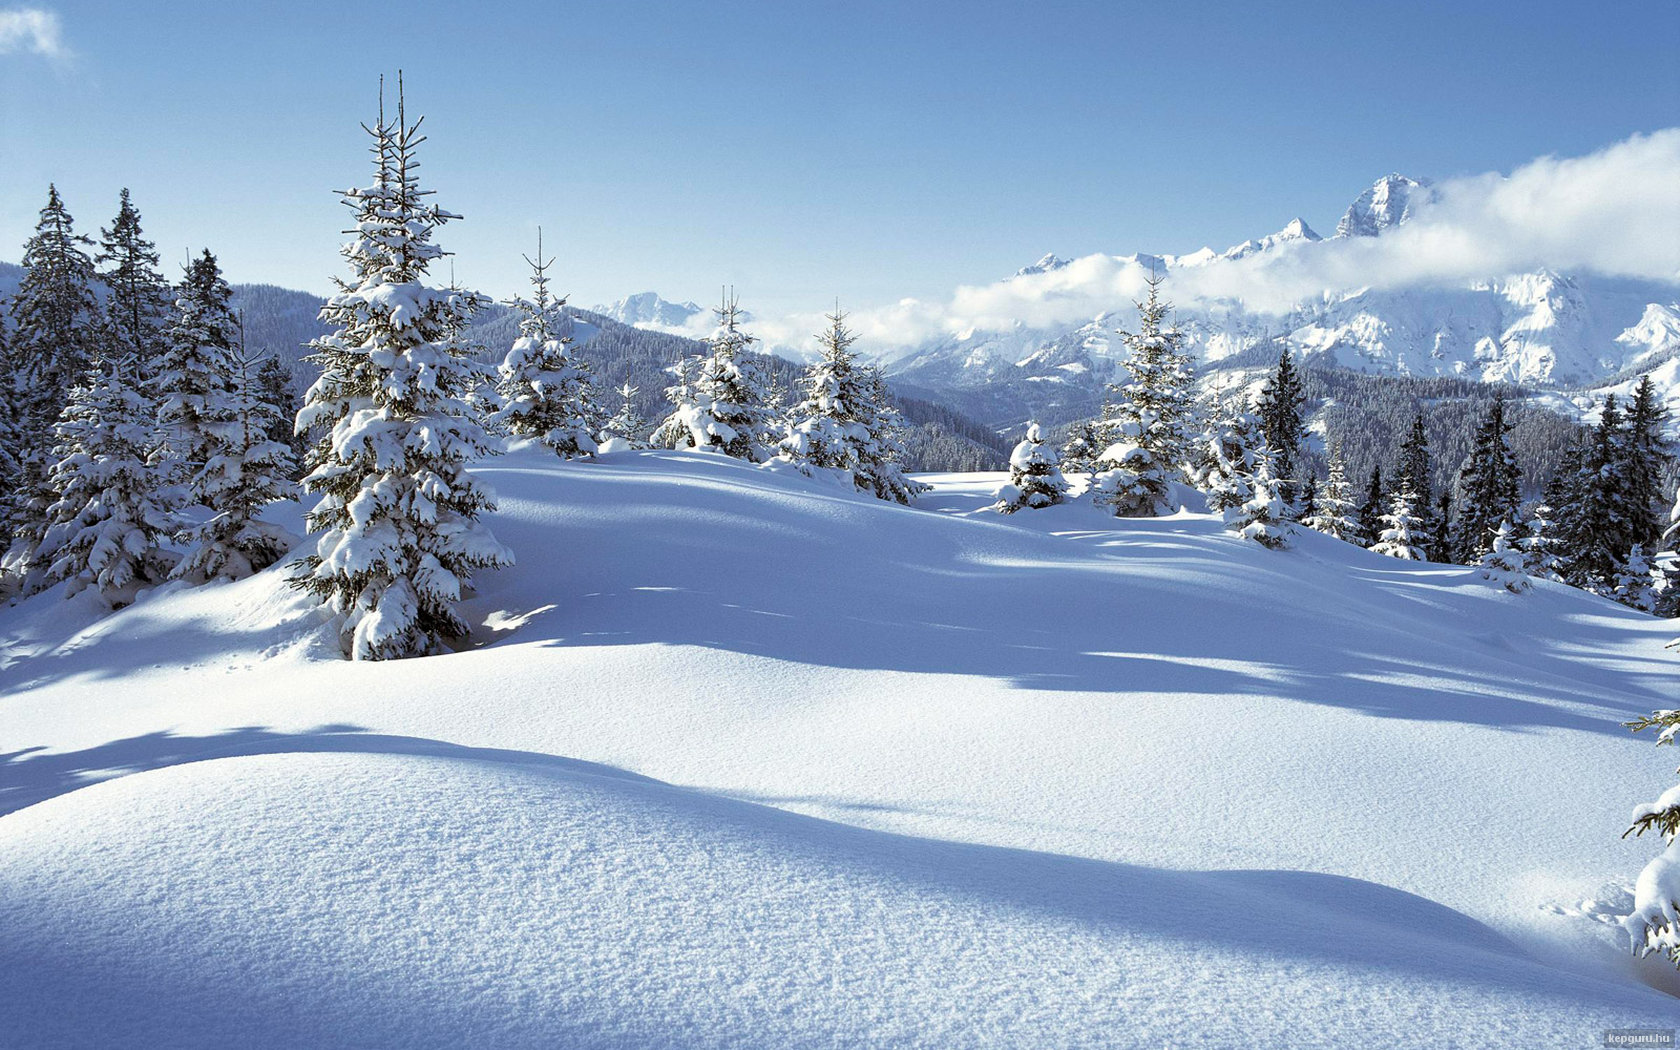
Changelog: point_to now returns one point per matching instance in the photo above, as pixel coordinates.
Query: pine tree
(1398, 538)
(1539, 545)
(1504, 562)
(1371, 510)
(1264, 516)
(1307, 505)
(397, 521)
(546, 392)
(1445, 538)
(1148, 427)
(190, 384)
(137, 309)
(1081, 449)
(246, 471)
(106, 528)
(1633, 584)
(1035, 476)
(1488, 486)
(55, 340)
(1413, 474)
(1646, 456)
(1654, 925)
(845, 425)
(1335, 514)
(274, 387)
(1279, 408)
(1224, 463)
(1594, 523)
(722, 402)
(627, 422)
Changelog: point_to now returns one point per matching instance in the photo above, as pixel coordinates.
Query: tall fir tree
(397, 523)
(546, 392)
(845, 424)
(246, 471)
(54, 342)
(1489, 486)
(1595, 525)
(1539, 544)
(1646, 458)
(1279, 406)
(1371, 510)
(1668, 594)
(107, 527)
(1148, 426)
(1399, 536)
(628, 422)
(1633, 584)
(138, 307)
(1222, 467)
(721, 401)
(193, 373)
(1264, 515)
(1335, 513)
(274, 387)
(1035, 476)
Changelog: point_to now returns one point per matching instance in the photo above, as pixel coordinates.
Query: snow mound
(371, 899)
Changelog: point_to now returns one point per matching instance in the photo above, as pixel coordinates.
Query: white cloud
(31, 30)
(1614, 212)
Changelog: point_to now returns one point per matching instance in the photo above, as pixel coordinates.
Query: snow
(760, 762)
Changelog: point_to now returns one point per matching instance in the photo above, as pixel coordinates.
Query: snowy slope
(918, 777)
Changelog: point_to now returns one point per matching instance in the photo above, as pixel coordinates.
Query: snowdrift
(738, 759)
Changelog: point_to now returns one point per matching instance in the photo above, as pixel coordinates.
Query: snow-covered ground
(742, 760)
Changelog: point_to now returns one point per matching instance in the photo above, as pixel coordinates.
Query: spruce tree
(1335, 514)
(546, 392)
(1646, 456)
(138, 307)
(1223, 465)
(1279, 405)
(1594, 525)
(1539, 545)
(628, 422)
(721, 401)
(1264, 515)
(1633, 585)
(1504, 562)
(1371, 510)
(1149, 424)
(1488, 486)
(1081, 449)
(398, 535)
(1413, 473)
(1399, 536)
(246, 471)
(274, 387)
(1035, 476)
(845, 425)
(193, 373)
(107, 526)
(54, 341)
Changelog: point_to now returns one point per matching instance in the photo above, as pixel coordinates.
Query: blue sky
(801, 151)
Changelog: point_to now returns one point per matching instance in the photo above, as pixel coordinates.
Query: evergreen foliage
(397, 521)
(1228, 456)
(1412, 474)
(1264, 515)
(138, 307)
(1278, 406)
(628, 422)
(1371, 510)
(1489, 488)
(1035, 476)
(722, 403)
(192, 375)
(545, 391)
(1081, 448)
(1634, 585)
(1504, 562)
(1539, 545)
(1401, 528)
(1654, 925)
(1148, 426)
(1334, 512)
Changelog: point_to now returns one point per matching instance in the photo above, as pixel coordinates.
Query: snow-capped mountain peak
(1297, 231)
(1390, 201)
(647, 308)
(1045, 265)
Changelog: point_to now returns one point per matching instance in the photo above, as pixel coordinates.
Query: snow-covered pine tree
(1594, 520)
(1413, 473)
(397, 521)
(1148, 429)
(1634, 585)
(1335, 513)
(107, 526)
(1668, 587)
(1398, 538)
(11, 438)
(192, 374)
(246, 471)
(628, 422)
(1504, 562)
(1654, 925)
(722, 403)
(1488, 486)
(1646, 457)
(1371, 510)
(138, 307)
(1081, 448)
(1035, 476)
(846, 425)
(55, 340)
(1539, 546)
(1307, 505)
(545, 391)
(274, 387)
(1278, 406)
(1223, 465)
(1264, 516)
